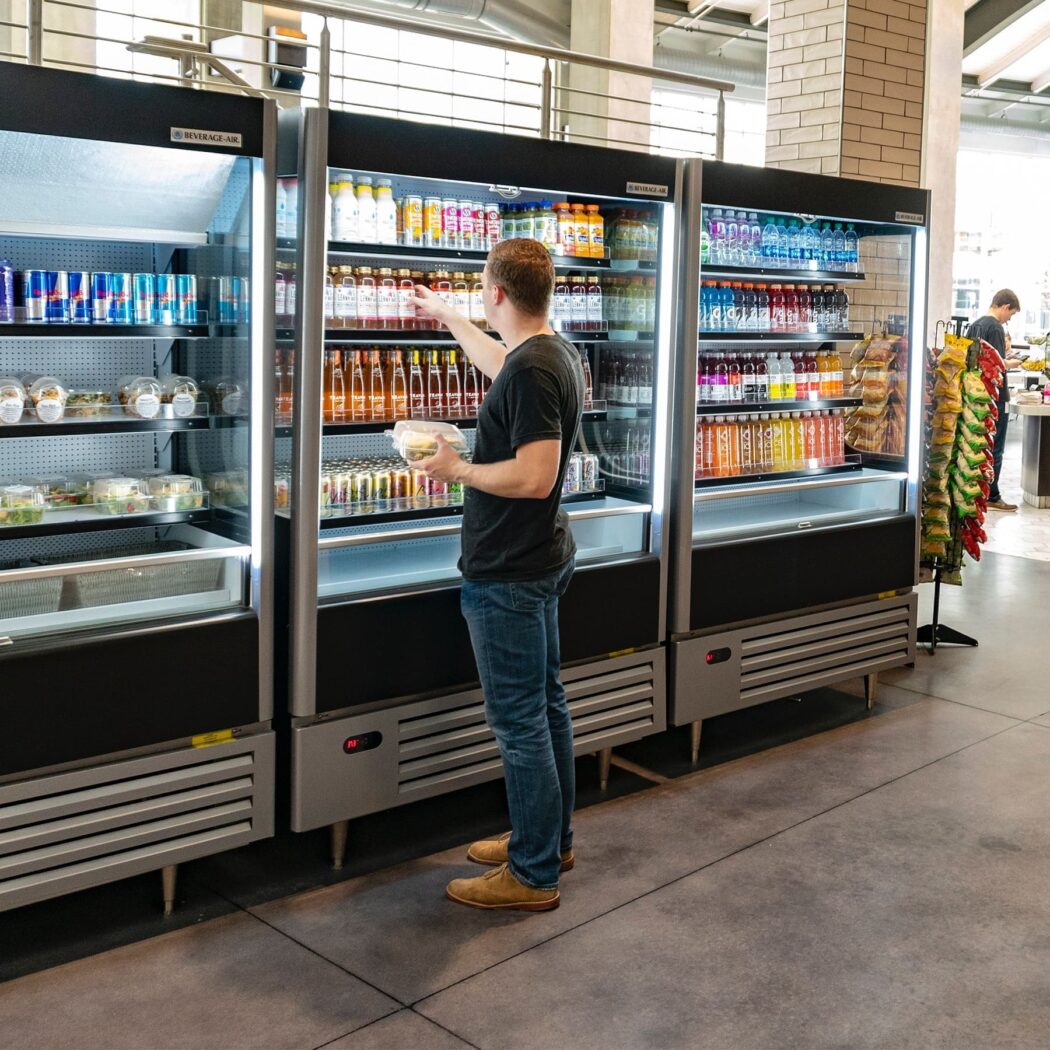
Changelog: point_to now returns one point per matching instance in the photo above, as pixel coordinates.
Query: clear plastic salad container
(176, 492)
(49, 396)
(415, 439)
(88, 404)
(20, 505)
(58, 490)
(120, 496)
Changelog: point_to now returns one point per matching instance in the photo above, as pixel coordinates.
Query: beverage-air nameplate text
(650, 189)
(911, 216)
(203, 137)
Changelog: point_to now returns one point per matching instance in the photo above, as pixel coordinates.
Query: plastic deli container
(229, 397)
(12, 400)
(140, 396)
(20, 505)
(88, 404)
(49, 396)
(120, 496)
(181, 393)
(416, 439)
(176, 492)
(58, 490)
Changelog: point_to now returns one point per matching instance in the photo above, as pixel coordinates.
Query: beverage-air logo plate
(647, 189)
(914, 217)
(204, 137)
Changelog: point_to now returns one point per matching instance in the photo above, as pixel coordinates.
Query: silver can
(572, 473)
(589, 473)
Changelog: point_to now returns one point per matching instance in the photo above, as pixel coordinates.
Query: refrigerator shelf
(471, 256)
(853, 463)
(773, 274)
(431, 336)
(597, 414)
(707, 408)
(118, 331)
(63, 523)
(779, 337)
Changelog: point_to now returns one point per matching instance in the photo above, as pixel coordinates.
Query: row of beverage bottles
(82, 297)
(730, 237)
(376, 386)
(756, 378)
(735, 306)
(367, 212)
(769, 442)
(364, 297)
(626, 379)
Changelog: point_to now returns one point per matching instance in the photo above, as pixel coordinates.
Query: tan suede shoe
(500, 889)
(494, 851)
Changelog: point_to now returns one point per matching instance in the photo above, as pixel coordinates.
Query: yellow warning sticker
(220, 736)
(887, 594)
(622, 652)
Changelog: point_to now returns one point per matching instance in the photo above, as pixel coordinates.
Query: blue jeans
(514, 632)
(998, 448)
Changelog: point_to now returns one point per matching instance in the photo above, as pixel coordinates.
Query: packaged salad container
(20, 505)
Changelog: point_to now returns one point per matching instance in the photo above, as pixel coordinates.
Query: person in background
(990, 328)
(518, 557)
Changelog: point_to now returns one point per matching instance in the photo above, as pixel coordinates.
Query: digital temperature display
(353, 745)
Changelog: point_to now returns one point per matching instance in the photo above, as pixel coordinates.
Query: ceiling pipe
(1013, 128)
(507, 16)
(708, 66)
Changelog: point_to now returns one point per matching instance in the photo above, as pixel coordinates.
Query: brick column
(845, 88)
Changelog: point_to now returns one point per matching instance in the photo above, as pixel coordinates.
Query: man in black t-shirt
(517, 561)
(990, 328)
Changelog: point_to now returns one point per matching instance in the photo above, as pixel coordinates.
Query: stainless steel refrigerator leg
(339, 831)
(167, 882)
(871, 687)
(695, 729)
(604, 761)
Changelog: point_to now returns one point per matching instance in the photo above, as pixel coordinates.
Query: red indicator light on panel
(717, 656)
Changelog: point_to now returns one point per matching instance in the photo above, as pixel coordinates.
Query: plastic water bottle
(794, 245)
(743, 240)
(716, 229)
(827, 248)
(281, 229)
(811, 246)
(732, 241)
(852, 249)
(705, 246)
(770, 243)
(839, 247)
(783, 242)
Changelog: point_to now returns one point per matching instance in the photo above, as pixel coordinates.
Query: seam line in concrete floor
(411, 1010)
(718, 860)
(961, 703)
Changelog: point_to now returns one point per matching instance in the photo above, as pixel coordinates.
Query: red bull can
(244, 305)
(101, 298)
(186, 296)
(79, 297)
(167, 304)
(34, 290)
(57, 297)
(120, 298)
(145, 298)
(224, 296)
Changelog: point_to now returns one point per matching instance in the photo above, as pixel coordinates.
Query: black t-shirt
(991, 331)
(537, 396)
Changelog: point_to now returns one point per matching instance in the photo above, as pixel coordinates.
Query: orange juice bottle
(835, 382)
(581, 229)
(823, 374)
(596, 231)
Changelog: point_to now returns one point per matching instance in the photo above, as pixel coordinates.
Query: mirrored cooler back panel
(127, 366)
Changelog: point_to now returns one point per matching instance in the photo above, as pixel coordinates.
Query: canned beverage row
(581, 474)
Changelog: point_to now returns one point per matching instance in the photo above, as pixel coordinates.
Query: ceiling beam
(995, 71)
(1041, 82)
(988, 17)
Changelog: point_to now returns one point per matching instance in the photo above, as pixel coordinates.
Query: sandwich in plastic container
(416, 439)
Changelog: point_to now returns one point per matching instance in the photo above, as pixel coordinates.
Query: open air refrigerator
(795, 548)
(382, 691)
(135, 516)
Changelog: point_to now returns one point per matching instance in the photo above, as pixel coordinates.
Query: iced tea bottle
(595, 311)
(376, 389)
(398, 387)
(357, 401)
(282, 389)
(471, 388)
(577, 303)
(435, 387)
(453, 392)
(367, 306)
(387, 298)
(406, 290)
(329, 298)
(461, 294)
(417, 391)
(477, 301)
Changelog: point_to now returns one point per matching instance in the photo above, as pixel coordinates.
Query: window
(121, 21)
(686, 122)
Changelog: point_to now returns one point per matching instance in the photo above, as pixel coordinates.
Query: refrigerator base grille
(789, 656)
(430, 747)
(68, 831)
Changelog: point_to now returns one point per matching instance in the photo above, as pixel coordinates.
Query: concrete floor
(881, 884)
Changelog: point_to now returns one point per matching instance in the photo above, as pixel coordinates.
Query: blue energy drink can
(167, 301)
(120, 298)
(57, 297)
(186, 298)
(144, 298)
(101, 298)
(226, 299)
(79, 297)
(244, 305)
(34, 290)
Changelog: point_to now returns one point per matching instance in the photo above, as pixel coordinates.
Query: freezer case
(382, 694)
(135, 461)
(798, 435)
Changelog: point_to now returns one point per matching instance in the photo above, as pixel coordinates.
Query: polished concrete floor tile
(229, 983)
(624, 849)
(401, 1031)
(914, 916)
(1002, 603)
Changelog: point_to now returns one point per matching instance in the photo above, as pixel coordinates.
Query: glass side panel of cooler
(136, 441)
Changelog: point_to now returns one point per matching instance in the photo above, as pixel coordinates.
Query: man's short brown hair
(1005, 297)
(523, 269)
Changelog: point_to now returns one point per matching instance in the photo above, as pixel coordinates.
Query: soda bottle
(436, 405)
